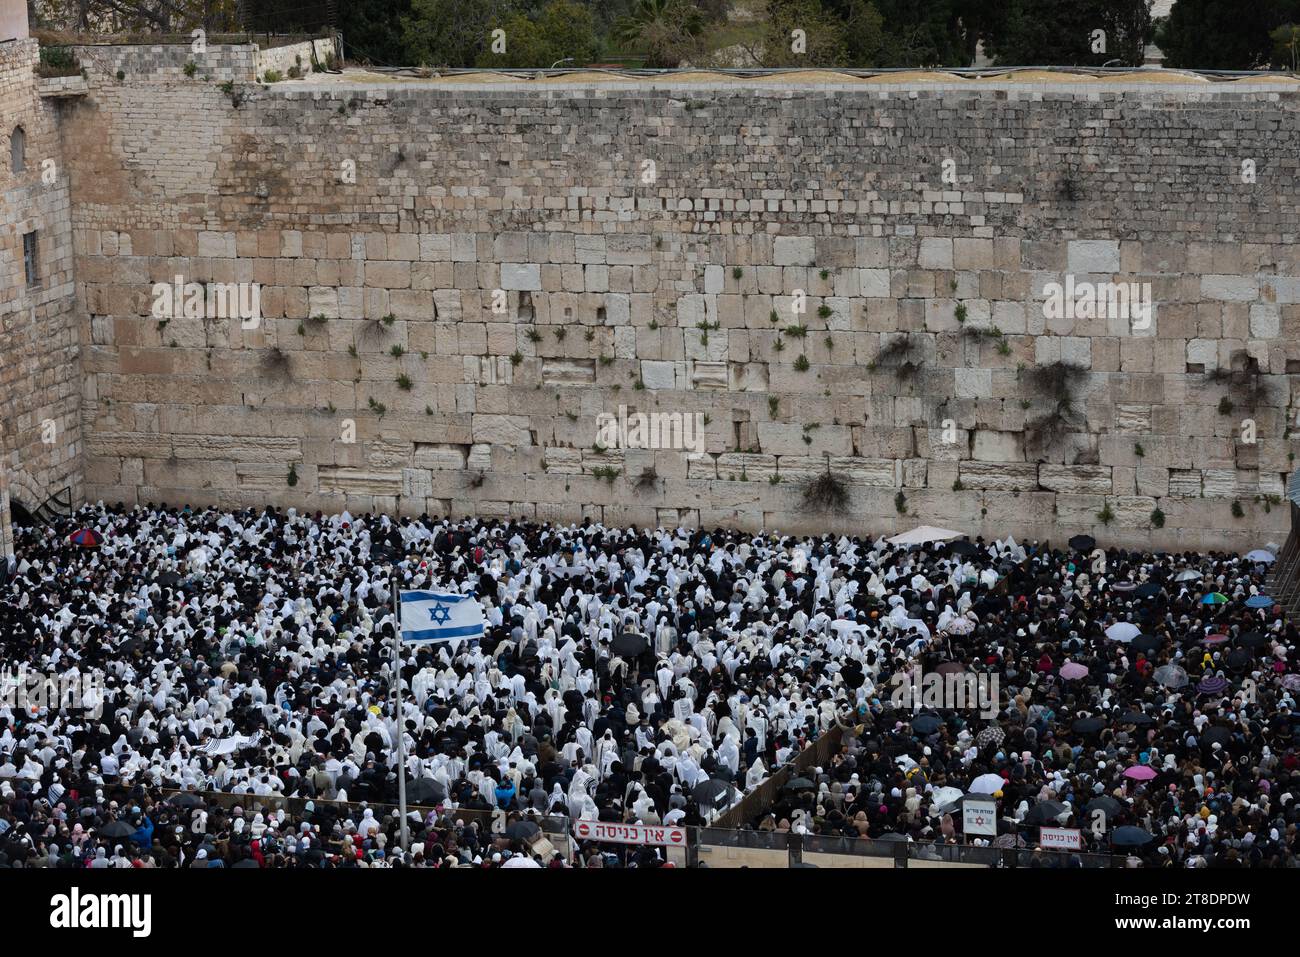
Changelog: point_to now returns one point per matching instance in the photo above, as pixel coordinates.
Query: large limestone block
(1078, 479)
(999, 477)
(1093, 256)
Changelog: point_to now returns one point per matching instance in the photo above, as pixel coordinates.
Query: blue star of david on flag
(428, 616)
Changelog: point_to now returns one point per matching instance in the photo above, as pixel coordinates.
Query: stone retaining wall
(40, 380)
(442, 334)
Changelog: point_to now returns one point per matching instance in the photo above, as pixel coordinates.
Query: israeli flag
(433, 616)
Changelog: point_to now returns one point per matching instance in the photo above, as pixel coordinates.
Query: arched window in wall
(18, 150)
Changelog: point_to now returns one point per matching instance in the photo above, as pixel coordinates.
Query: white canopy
(925, 534)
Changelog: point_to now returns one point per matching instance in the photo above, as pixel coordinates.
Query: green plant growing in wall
(404, 382)
(900, 503)
(825, 274)
(901, 355)
(533, 335)
(606, 472)
(959, 311)
(376, 407)
(1237, 510)
(560, 333)
(801, 364)
(1058, 382)
(1158, 519)
(397, 351)
(190, 68)
(516, 357)
(1138, 450)
(737, 272)
(277, 362)
(826, 493)
(773, 403)
(292, 478)
(773, 318)
(352, 350)
(1106, 516)
(796, 331)
(825, 312)
(1225, 406)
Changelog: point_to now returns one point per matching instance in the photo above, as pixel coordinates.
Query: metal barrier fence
(717, 846)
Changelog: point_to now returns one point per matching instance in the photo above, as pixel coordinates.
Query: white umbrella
(521, 860)
(986, 784)
(923, 535)
(1261, 555)
(1190, 575)
(1124, 631)
(941, 796)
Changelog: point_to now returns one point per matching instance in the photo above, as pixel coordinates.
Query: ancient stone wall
(458, 279)
(40, 381)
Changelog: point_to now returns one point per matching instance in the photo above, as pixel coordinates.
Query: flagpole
(401, 725)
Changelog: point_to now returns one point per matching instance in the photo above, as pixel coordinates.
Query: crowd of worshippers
(235, 668)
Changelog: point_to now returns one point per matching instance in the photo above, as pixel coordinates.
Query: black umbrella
(185, 800)
(425, 790)
(1149, 590)
(522, 830)
(169, 579)
(712, 791)
(1146, 643)
(629, 644)
(1045, 812)
(1089, 725)
(1238, 659)
(964, 547)
(1106, 804)
(927, 723)
(1083, 543)
(798, 784)
(116, 829)
(1136, 717)
(1216, 735)
(1129, 836)
(1252, 639)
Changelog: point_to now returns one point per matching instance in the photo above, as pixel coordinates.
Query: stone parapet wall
(915, 371)
(220, 62)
